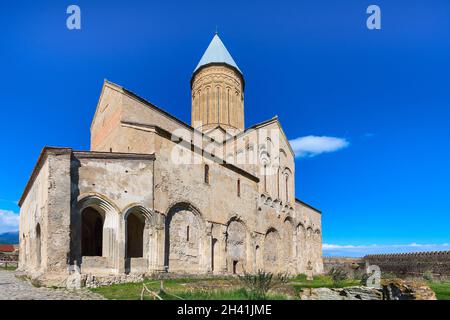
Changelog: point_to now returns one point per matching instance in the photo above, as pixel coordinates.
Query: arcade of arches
(190, 246)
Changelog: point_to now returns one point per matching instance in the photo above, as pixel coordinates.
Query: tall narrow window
(287, 188)
(206, 174)
(228, 105)
(207, 106)
(198, 106)
(187, 233)
(278, 183)
(218, 105)
(238, 187)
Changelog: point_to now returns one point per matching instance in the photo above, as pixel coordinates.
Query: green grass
(229, 289)
(323, 281)
(8, 268)
(175, 289)
(211, 289)
(442, 289)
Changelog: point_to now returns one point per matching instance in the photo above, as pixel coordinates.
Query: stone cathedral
(157, 195)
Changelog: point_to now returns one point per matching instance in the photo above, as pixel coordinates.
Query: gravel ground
(12, 288)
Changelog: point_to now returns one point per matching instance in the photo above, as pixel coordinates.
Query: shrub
(428, 275)
(301, 277)
(359, 274)
(338, 275)
(259, 284)
(364, 277)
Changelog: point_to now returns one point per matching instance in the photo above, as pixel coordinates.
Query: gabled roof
(308, 205)
(260, 125)
(217, 53)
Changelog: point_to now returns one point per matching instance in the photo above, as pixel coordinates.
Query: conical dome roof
(217, 53)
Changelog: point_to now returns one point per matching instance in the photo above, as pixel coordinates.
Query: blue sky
(384, 95)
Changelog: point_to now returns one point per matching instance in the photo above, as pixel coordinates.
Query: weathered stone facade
(155, 194)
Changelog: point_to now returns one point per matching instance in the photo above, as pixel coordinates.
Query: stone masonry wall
(413, 264)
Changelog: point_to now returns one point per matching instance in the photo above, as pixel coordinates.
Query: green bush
(338, 275)
(359, 274)
(365, 276)
(428, 275)
(259, 284)
(300, 277)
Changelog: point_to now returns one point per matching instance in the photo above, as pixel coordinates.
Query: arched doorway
(272, 251)
(301, 240)
(236, 247)
(289, 253)
(38, 246)
(184, 239)
(91, 232)
(135, 235)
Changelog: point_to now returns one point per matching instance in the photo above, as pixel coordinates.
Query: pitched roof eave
(261, 125)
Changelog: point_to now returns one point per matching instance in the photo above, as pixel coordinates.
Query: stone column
(150, 253)
(160, 239)
(121, 246)
(207, 252)
(111, 239)
(293, 253)
(223, 249)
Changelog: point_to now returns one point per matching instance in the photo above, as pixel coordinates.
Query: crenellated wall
(413, 264)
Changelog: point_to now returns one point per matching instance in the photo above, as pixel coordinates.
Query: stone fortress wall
(347, 263)
(413, 264)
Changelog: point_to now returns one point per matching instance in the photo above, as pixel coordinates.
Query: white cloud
(311, 146)
(359, 251)
(9, 221)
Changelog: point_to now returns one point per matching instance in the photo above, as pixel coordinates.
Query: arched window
(287, 187)
(218, 104)
(198, 105)
(207, 105)
(228, 105)
(278, 183)
(206, 174)
(238, 187)
(38, 245)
